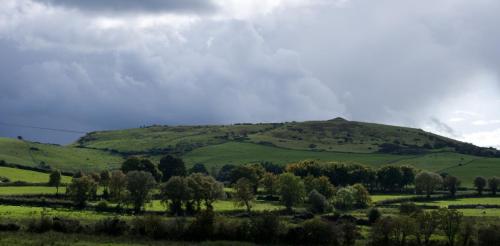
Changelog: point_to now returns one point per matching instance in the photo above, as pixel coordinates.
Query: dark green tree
(198, 168)
(139, 186)
(480, 183)
(171, 166)
(55, 180)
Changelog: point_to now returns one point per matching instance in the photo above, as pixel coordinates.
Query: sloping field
(60, 157)
(14, 174)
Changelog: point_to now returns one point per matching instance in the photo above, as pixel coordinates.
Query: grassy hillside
(62, 157)
(281, 143)
(14, 174)
(334, 135)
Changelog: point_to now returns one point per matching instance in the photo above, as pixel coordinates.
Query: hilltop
(336, 135)
(215, 145)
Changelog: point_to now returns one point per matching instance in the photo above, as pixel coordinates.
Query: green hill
(281, 143)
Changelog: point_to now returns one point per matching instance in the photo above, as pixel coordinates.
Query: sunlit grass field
(15, 174)
(60, 157)
(30, 190)
(464, 201)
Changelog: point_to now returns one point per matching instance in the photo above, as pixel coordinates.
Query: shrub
(488, 235)
(66, 225)
(152, 226)
(102, 206)
(409, 208)
(9, 227)
(318, 203)
(266, 227)
(111, 226)
(373, 215)
(202, 227)
(43, 224)
(319, 232)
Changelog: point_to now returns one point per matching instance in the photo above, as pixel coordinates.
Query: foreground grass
(464, 201)
(59, 239)
(224, 206)
(22, 213)
(15, 174)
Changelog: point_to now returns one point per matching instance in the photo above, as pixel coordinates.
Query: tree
(320, 184)
(175, 193)
(270, 183)
(427, 223)
(171, 166)
(291, 189)
(404, 226)
(224, 174)
(251, 172)
(428, 182)
(390, 177)
(345, 198)
(451, 183)
(480, 183)
(449, 222)
(362, 198)
(80, 190)
(205, 188)
(136, 164)
(118, 186)
(198, 168)
(318, 203)
(408, 177)
(244, 195)
(55, 180)
(139, 186)
(105, 176)
(493, 184)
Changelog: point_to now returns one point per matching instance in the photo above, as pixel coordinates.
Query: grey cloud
(136, 5)
(386, 61)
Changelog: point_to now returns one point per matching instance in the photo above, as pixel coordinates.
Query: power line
(42, 128)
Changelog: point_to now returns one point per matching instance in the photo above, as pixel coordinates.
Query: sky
(87, 65)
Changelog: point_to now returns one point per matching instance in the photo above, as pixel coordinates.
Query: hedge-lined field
(15, 174)
(30, 190)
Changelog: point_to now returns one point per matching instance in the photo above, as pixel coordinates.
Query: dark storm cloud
(389, 61)
(136, 5)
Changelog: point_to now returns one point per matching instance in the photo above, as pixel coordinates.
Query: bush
(489, 236)
(41, 225)
(233, 229)
(319, 232)
(151, 225)
(102, 206)
(202, 227)
(9, 227)
(373, 215)
(409, 208)
(266, 227)
(66, 225)
(111, 226)
(318, 202)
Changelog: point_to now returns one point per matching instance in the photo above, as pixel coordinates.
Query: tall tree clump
(176, 193)
(291, 189)
(55, 180)
(428, 182)
(451, 183)
(205, 189)
(80, 190)
(171, 166)
(493, 184)
(244, 195)
(139, 186)
(480, 183)
(136, 164)
(118, 187)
